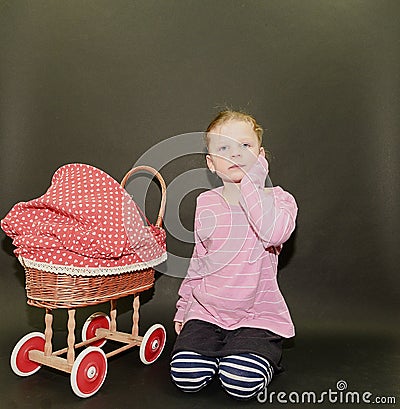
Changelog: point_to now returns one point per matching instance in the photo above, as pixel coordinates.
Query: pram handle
(162, 183)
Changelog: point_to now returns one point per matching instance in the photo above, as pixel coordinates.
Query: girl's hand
(258, 173)
(178, 327)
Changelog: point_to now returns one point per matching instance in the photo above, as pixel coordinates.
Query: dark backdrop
(101, 82)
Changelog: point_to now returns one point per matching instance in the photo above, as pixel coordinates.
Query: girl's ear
(210, 163)
(262, 152)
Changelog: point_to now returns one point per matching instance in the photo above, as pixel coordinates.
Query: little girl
(231, 316)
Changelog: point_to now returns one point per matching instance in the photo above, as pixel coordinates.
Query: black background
(101, 82)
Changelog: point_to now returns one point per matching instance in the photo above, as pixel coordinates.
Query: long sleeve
(191, 281)
(193, 275)
(271, 212)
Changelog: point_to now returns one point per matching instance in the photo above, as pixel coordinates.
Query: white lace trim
(90, 271)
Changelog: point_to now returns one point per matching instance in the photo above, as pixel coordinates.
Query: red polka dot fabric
(85, 224)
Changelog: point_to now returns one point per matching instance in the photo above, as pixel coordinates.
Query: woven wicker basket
(50, 290)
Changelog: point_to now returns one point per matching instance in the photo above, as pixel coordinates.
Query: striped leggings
(243, 376)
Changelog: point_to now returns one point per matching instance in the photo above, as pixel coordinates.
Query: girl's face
(233, 149)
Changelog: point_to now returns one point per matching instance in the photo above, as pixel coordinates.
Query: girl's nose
(235, 152)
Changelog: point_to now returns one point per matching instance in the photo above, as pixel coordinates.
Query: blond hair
(231, 115)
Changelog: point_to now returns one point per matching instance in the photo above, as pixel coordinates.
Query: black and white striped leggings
(243, 376)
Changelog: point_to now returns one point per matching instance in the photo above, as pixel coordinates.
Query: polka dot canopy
(85, 224)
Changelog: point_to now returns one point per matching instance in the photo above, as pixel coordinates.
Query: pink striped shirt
(232, 277)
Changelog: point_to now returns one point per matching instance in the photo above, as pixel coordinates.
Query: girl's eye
(246, 145)
(222, 148)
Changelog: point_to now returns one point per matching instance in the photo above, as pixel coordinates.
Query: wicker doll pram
(51, 290)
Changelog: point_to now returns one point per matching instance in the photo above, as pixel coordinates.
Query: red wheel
(94, 322)
(152, 344)
(20, 362)
(89, 372)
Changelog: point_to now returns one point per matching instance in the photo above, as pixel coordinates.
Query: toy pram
(84, 243)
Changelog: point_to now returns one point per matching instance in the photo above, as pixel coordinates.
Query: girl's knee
(242, 388)
(191, 372)
(244, 376)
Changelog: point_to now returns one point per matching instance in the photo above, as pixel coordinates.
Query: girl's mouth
(236, 167)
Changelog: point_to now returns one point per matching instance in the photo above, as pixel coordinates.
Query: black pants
(210, 340)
